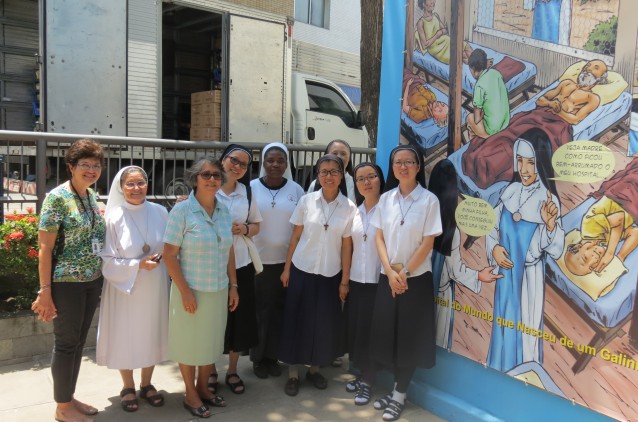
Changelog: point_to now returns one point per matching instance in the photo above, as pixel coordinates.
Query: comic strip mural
(537, 268)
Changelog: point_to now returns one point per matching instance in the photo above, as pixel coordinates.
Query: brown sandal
(156, 400)
(126, 404)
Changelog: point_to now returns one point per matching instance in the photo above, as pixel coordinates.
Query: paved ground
(26, 395)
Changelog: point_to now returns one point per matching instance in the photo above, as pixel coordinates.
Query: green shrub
(602, 39)
(19, 258)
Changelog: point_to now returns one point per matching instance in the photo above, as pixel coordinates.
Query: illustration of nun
(448, 268)
(528, 227)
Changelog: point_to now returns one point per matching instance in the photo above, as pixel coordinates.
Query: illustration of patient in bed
(420, 103)
(488, 160)
(602, 229)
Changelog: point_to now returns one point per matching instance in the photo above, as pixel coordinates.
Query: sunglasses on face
(207, 175)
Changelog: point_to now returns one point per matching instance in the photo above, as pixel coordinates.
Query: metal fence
(34, 163)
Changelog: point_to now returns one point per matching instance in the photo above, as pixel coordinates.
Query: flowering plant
(19, 257)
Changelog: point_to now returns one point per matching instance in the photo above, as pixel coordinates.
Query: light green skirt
(197, 339)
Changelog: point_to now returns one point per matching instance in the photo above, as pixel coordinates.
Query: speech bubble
(583, 162)
(475, 217)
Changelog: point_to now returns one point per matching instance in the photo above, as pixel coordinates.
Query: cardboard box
(206, 134)
(206, 109)
(28, 187)
(206, 120)
(206, 97)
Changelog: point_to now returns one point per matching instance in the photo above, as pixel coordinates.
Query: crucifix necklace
(272, 204)
(365, 227)
(517, 215)
(146, 248)
(408, 210)
(327, 220)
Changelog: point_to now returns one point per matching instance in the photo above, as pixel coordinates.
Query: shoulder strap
(249, 196)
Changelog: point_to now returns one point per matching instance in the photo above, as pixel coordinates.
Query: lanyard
(86, 211)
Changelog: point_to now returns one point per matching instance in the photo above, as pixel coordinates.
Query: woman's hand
(501, 256)
(344, 289)
(43, 306)
(148, 264)
(238, 229)
(188, 301)
(397, 285)
(285, 277)
(233, 299)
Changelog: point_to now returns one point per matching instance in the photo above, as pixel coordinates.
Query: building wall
(343, 32)
(277, 7)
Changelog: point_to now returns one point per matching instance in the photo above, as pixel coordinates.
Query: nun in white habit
(133, 326)
(527, 227)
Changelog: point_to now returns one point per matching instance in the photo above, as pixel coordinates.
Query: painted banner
(538, 267)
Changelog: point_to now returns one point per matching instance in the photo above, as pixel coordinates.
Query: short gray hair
(193, 171)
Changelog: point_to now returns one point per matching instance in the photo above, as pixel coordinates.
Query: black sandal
(215, 401)
(393, 411)
(383, 402)
(156, 400)
(353, 386)
(236, 387)
(127, 403)
(213, 385)
(200, 412)
(364, 393)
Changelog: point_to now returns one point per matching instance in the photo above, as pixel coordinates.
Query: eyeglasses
(133, 185)
(369, 178)
(207, 175)
(85, 166)
(237, 162)
(333, 172)
(407, 163)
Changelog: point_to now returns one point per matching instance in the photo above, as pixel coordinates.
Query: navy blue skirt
(313, 320)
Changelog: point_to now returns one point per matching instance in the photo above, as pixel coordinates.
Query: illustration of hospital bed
(520, 82)
(606, 315)
(427, 136)
(609, 116)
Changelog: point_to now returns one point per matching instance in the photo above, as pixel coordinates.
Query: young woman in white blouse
(342, 150)
(276, 194)
(364, 276)
(241, 326)
(316, 275)
(408, 220)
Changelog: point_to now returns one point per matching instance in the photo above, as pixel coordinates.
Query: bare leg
(68, 412)
(476, 128)
(233, 358)
(128, 382)
(203, 373)
(188, 375)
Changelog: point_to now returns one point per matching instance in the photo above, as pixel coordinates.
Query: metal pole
(40, 172)
(2, 190)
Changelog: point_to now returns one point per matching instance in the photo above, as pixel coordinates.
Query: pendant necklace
(272, 204)
(365, 227)
(146, 248)
(517, 215)
(327, 220)
(408, 210)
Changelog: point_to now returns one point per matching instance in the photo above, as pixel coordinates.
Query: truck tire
(170, 183)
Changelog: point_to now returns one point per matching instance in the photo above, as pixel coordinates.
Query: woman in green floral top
(70, 237)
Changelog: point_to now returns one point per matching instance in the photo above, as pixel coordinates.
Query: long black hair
(539, 140)
(245, 179)
(392, 182)
(359, 198)
(443, 184)
(331, 157)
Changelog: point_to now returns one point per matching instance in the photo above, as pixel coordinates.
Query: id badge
(96, 246)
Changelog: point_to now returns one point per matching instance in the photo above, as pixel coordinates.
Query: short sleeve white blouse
(319, 248)
(365, 257)
(240, 212)
(421, 217)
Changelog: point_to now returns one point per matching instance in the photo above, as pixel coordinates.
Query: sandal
(127, 405)
(363, 395)
(215, 401)
(200, 412)
(292, 386)
(213, 385)
(318, 380)
(236, 387)
(353, 386)
(155, 400)
(383, 402)
(393, 411)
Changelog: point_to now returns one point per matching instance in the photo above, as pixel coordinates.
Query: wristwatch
(406, 271)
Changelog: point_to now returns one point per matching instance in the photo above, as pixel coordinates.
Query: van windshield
(324, 99)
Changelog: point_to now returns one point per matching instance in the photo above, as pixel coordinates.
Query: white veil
(116, 195)
(288, 172)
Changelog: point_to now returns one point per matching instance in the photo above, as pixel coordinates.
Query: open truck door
(84, 67)
(255, 81)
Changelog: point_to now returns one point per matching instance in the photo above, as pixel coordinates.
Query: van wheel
(171, 183)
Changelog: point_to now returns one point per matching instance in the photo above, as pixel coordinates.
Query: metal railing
(34, 163)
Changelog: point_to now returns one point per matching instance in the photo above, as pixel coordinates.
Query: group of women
(312, 253)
